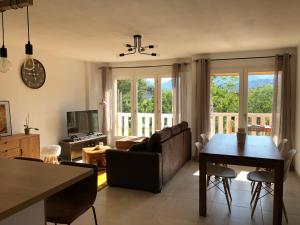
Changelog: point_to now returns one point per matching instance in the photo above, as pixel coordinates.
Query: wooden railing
(145, 122)
(225, 123)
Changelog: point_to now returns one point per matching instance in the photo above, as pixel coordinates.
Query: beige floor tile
(178, 203)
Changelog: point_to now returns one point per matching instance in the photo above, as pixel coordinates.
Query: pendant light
(28, 63)
(4, 62)
(137, 47)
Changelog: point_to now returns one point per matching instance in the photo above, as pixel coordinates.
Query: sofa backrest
(175, 152)
(159, 137)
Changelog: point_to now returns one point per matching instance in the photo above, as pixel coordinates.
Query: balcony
(145, 123)
(258, 123)
(225, 123)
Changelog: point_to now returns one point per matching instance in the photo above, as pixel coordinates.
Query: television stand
(72, 149)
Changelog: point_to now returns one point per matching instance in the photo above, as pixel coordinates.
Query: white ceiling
(95, 30)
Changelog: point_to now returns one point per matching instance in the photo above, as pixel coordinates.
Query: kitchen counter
(25, 183)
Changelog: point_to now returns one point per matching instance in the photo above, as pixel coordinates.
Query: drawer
(10, 153)
(9, 144)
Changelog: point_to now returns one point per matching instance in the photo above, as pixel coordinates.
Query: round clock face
(36, 77)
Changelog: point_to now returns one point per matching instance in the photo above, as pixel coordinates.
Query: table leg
(202, 186)
(278, 195)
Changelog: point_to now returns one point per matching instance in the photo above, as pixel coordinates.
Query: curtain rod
(136, 67)
(221, 59)
(254, 57)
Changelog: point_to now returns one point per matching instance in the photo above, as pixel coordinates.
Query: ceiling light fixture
(28, 63)
(4, 62)
(137, 47)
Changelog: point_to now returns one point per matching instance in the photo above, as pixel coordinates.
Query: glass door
(123, 117)
(166, 95)
(225, 103)
(260, 90)
(142, 105)
(145, 106)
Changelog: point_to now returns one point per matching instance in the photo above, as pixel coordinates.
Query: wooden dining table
(258, 151)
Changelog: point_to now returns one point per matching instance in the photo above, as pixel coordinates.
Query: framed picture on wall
(5, 120)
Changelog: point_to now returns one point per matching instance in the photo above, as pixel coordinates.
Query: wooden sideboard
(20, 145)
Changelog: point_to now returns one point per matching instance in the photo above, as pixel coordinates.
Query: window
(123, 109)
(143, 104)
(242, 99)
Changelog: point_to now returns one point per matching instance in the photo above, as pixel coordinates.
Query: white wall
(64, 90)
(297, 139)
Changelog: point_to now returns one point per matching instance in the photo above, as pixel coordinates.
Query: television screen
(82, 122)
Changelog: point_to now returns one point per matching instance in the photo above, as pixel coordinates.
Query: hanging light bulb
(4, 62)
(28, 63)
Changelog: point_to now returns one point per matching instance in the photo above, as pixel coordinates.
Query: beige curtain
(202, 101)
(179, 84)
(284, 103)
(105, 105)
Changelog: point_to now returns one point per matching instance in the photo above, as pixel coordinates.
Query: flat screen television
(81, 123)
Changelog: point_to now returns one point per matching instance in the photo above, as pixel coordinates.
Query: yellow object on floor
(101, 180)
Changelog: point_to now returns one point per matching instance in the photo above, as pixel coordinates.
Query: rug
(101, 180)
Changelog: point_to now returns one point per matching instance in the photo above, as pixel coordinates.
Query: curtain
(202, 101)
(105, 104)
(284, 102)
(179, 84)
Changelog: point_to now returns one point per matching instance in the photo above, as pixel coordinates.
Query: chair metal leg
(284, 212)
(257, 198)
(95, 217)
(254, 194)
(228, 188)
(226, 194)
(208, 179)
(252, 186)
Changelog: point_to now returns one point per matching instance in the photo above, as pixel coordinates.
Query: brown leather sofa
(151, 164)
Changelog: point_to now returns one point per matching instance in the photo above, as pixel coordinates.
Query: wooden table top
(96, 150)
(259, 147)
(24, 183)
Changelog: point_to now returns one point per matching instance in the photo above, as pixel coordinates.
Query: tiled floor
(178, 203)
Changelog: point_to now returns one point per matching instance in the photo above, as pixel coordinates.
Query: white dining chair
(204, 139)
(222, 173)
(262, 178)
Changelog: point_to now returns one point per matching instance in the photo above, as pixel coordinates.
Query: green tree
(224, 94)
(145, 97)
(225, 98)
(166, 101)
(260, 99)
(123, 95)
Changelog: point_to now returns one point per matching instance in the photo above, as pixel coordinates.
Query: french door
(142, 104)
(242, 99)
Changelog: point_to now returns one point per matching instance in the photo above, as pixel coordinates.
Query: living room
(78, 43)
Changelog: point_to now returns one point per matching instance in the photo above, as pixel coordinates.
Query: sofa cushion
(176, 129)
(140, 147)
(165, 134)
(184, 125)
(153, 144)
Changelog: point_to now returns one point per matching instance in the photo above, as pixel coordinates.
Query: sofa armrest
(138, 170)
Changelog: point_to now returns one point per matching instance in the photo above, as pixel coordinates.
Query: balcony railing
(145, 123)
(258, 123)
(225, 123)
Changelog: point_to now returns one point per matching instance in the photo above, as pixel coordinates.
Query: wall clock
(36, 77)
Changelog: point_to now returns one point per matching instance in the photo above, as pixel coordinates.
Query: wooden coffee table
(96, 155)
(127, 142)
